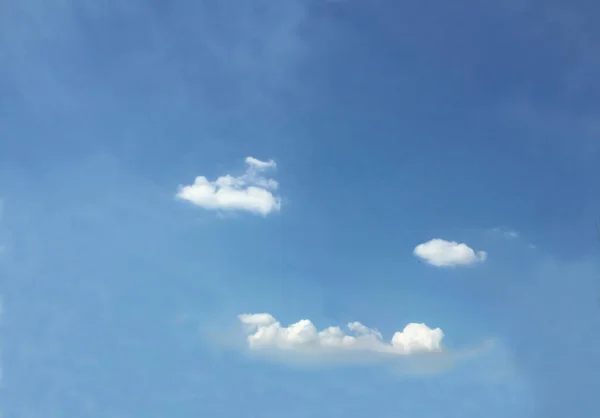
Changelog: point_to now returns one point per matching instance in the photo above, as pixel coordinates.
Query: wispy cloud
(511, 234)
(507, 232)
(416, 350)
(250, 192)
(441, 253)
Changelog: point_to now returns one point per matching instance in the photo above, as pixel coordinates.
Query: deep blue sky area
(425, 162)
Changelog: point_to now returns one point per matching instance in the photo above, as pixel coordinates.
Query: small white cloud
(250, 192)
(261, 165)
(304, 339)
(442, 253)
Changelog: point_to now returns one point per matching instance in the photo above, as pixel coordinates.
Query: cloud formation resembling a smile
(442, 253)
(303, 338)
(250, 192)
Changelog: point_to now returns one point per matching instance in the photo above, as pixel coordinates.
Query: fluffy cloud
(303, 338)
(250, 192)
(442, 253)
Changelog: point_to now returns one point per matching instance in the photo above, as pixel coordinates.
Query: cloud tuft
(250, 192)
(442, 253)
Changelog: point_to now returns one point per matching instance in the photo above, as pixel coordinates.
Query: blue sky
(385, 125)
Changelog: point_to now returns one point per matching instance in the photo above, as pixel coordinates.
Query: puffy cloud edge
(302, 338)
(250, 192)
(439, 252)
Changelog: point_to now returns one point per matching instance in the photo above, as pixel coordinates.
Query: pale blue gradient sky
(391, 123)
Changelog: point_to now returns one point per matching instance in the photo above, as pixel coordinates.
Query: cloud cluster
(442, 253)
(253, 192)
(250, 192)
(302, 337)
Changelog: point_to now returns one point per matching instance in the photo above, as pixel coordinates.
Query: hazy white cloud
(442, 253)
(254, 162)
(507, 233)
(250, 192)
(511, 234)
(303, 338)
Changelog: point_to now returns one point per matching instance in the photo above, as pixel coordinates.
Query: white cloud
(442, 253)
(254, 162)
(303, 338)
(250, 192)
